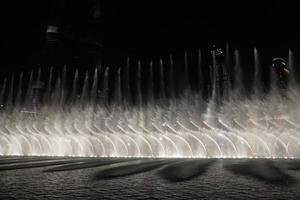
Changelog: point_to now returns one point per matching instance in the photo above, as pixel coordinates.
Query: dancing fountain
(116, 113)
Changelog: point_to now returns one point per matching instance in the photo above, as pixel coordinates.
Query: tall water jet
(117, 90)
(238, 83)
(139, 100)
(162, 94)
(171, 83)
(56, 96)
(227, 74)
(227, 58)
(9, 100)
(127, 89)
(186, 78)
(18, 101)
(37, 85)
(2, 92)
(138, 85)
(63, 84)
(150, 97)
(47, 94)
(84, 92)
(105, 87)
(172, 101)
(214, 75)
(28, 96)
(64, 77)
(291, 69)
(274, 81)
(257, 81)
(38, 78)
(200, 74)
(74, 94)
(94, 89)
(211, 110)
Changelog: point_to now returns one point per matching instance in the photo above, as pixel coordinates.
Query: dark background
(148, 29)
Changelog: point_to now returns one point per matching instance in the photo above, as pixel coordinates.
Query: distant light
(52, 29)
(286, 70)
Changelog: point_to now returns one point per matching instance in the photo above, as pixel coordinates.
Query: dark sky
(154, 28)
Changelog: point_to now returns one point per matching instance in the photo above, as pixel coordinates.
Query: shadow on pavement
(186, 170)
(264, 170)
(39, 163)
(85, 164)
(288, 164)
(132, 168)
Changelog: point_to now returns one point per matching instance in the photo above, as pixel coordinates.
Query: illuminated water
(89, 121)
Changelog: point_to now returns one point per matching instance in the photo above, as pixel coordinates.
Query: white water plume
(89, 123)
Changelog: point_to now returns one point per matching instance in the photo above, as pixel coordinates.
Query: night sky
(150, 29)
